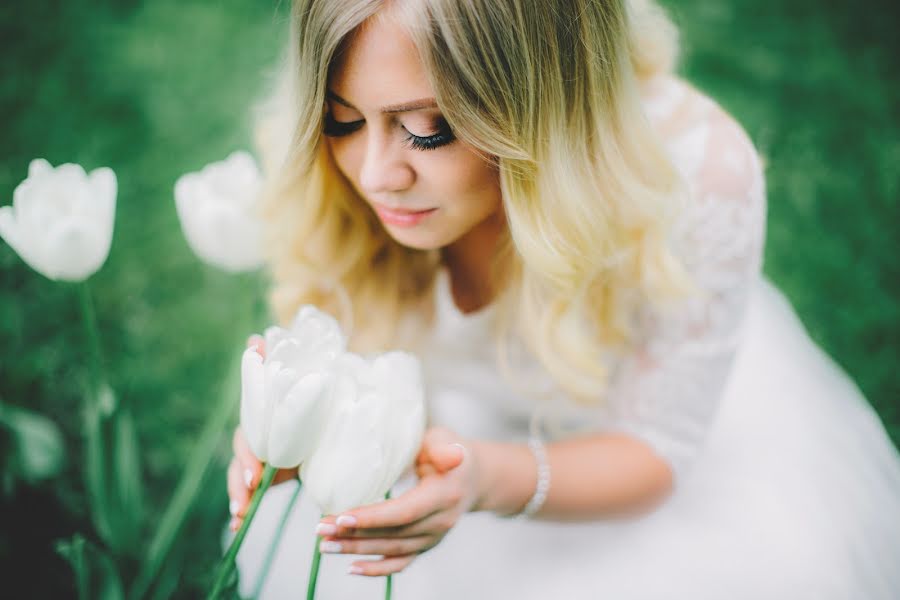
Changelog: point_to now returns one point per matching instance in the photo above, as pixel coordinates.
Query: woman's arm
(592, 477)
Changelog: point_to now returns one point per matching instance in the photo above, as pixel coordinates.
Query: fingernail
(233, 525)
(233, 507)
(354, 570)
(346, 521)
(330, 547)
(325, 529)
(248, 477)
(255, 340)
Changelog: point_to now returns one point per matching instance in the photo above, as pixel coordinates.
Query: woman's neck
(469, 261)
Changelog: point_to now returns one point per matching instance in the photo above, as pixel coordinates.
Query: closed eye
(340, 128)
(334, 128)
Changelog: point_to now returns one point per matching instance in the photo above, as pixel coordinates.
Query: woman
(530, 177)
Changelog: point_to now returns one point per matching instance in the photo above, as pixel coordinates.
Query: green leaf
(126, 475)
(95, 472)
(113, 471)
(186, 491)
(95, 573)
(38, 443)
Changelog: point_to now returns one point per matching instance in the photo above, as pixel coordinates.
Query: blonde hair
(549, 90)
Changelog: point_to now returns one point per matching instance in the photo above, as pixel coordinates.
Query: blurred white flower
(61, 221)
(374, 433)
(286, 397)
(216, 207)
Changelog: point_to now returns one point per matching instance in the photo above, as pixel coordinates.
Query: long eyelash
(431, 142)
(334, 128)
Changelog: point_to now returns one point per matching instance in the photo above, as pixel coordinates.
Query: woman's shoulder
(707, 144)
(721, 233)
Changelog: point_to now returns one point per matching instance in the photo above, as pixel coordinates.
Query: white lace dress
(786, 485)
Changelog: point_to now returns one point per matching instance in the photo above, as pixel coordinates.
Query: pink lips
(401, 217)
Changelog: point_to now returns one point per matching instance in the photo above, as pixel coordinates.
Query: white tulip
(374, 433)
(286, 397)
(61, 221)
(216, 207)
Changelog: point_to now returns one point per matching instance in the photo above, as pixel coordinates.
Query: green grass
(160, 88)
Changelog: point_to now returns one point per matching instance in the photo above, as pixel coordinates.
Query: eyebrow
(393, 108)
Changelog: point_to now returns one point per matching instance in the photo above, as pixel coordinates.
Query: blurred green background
(156, 89)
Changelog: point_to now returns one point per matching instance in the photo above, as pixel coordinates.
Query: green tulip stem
(93, 338)
(314, 569)
(227, 564)
(389, 584)
(273, 547)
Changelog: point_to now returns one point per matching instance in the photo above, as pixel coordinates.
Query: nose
(384, 169)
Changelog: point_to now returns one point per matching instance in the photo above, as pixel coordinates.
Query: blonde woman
(571, 238)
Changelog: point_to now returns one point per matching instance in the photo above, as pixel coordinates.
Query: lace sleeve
(667, 391)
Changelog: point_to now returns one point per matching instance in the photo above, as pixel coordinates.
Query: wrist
(505, 477)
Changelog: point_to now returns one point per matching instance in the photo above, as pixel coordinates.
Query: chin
(419, 239)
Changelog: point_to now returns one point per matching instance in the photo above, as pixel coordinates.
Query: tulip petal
(20, 239)
(38, 168)
(253, 396)
(74, 249)
(400, 388)
(216, 207)
(345, 471)
(298, 420)
(59, 230)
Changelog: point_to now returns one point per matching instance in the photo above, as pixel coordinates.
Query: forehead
(379, 65)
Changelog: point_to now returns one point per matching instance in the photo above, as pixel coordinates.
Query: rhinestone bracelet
(543, 480)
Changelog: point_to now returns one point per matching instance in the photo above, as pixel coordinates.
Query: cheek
(475, 184)
(347, 156)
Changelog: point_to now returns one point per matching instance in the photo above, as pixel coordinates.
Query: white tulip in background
(61, 221)
(374, 433)
(217, 210)
(286, 396)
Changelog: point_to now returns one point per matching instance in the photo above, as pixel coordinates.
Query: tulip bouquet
(353, 424)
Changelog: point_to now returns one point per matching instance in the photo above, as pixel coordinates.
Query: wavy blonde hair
(550, 91)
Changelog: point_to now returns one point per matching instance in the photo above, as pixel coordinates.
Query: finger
(251, 467)
(238, 494)
(441, 450)
(437, 523)
(377, 568)
(419, 502)
(448, 456)
(382, 546)
(258, 341)
(283, 475)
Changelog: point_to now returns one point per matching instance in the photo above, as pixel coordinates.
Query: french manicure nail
(346, 521)
(248, 477)
(325, 529)
(233, 507)
(354, 570)
(330, 547)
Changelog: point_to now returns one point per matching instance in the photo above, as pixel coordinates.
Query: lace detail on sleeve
(667, 391)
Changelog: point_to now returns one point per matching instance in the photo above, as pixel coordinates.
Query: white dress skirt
(786, 483)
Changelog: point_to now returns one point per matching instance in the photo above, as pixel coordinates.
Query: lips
(400, 211)
(402, 217)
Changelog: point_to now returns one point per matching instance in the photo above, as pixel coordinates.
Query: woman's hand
(401, 528)
(245, 470)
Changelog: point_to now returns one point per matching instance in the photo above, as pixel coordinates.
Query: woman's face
(390, 141)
